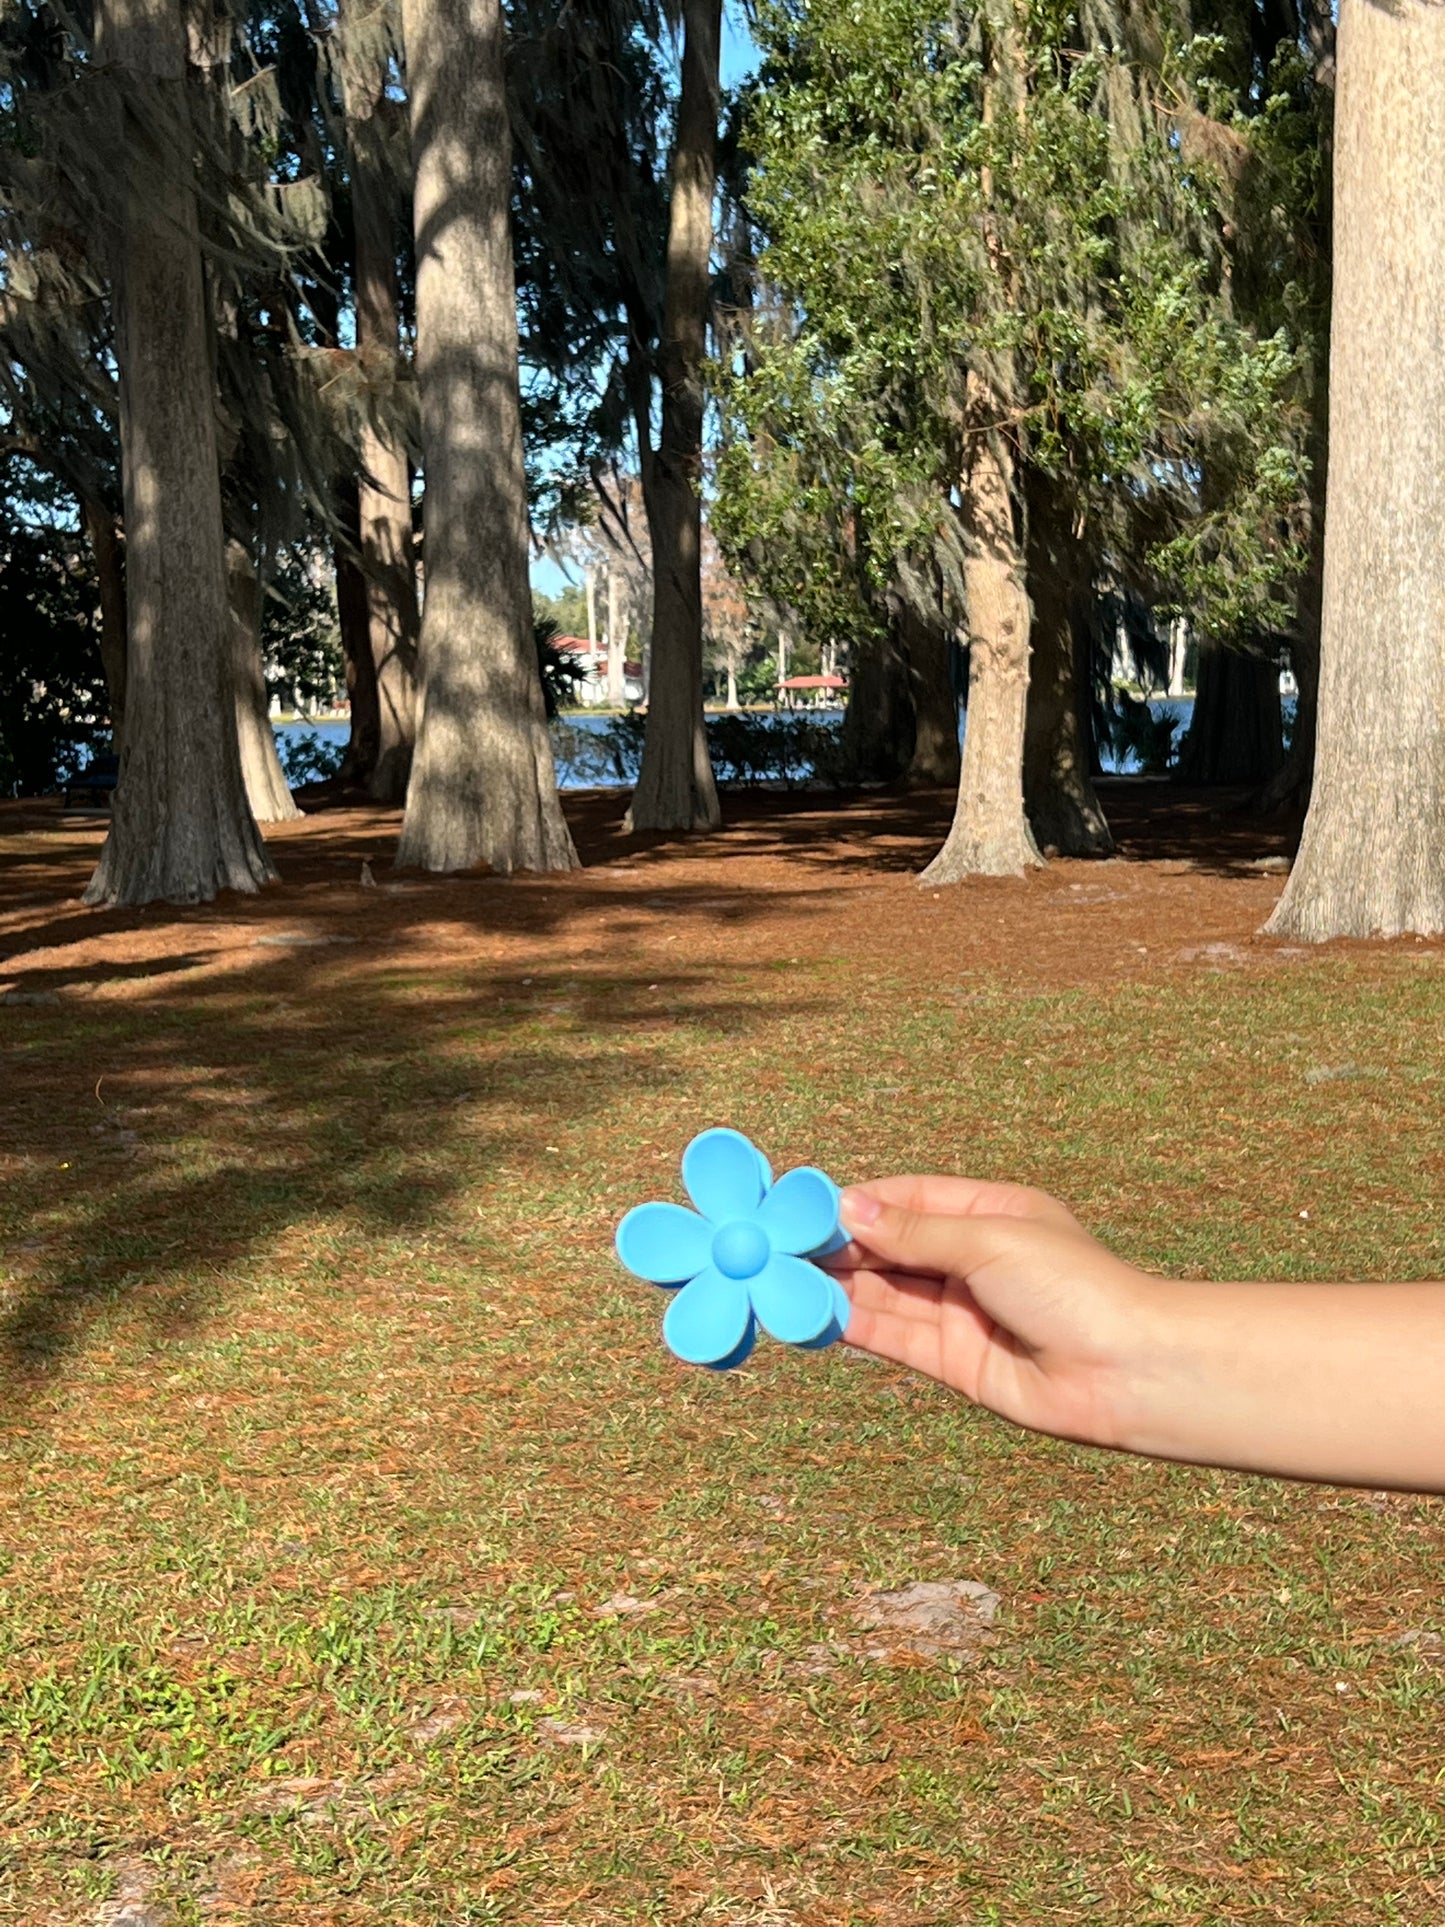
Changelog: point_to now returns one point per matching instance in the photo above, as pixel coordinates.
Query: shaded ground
(366, 1560)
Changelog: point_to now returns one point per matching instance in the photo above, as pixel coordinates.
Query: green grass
(329, 1417)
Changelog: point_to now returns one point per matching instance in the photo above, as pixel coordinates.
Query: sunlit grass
(333, 1429)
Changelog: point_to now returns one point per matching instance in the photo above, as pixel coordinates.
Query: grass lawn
(365, 1558)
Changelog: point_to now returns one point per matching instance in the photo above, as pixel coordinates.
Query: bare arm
(999, 1292)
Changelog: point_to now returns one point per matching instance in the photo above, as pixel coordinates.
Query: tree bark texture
(616, 641)
(990, 835)
(483, 788)
(353, 620)
(675, 787)
(1291, 787)
(876, 741)
(1236, 734)
(103, 534)
(934, 761)
(1372, 859)
(384, 488)
(1063, 806)
(181, 828)
(266, 789)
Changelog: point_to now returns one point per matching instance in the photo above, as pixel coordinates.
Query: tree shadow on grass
(159, 1136)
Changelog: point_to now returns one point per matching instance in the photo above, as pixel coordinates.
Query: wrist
(1160, 1404)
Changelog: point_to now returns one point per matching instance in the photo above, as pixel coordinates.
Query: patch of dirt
(935, 1617)
(130, 1905)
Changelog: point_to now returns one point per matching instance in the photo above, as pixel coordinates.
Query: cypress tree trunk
(1236, 734)
(105, 548)
(876, 740)
(616, 643)
(1294, 782)
(180, 827)
(384, 488)
(934, 761)
(353, 620)
(1372, 861)
(266, 789)
(675, 787)
(1063, 807)
(990, 835)
(483, 788)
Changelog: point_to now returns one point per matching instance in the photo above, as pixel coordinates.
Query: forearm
(1344, 1383)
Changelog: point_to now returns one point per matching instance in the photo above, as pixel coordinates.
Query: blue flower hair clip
(743, 1258)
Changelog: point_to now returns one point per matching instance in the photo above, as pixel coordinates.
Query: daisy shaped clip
(743, 1257)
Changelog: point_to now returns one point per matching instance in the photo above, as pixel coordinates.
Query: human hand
(999, 1292)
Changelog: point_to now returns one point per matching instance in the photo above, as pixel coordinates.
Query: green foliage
(942, 193)
(1136, 735)
(561, 674)
(54, 708)
(300, 635)
(567, 611)
(310, 758)
(781, 748)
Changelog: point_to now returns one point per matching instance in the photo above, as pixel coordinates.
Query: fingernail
(857, 1209)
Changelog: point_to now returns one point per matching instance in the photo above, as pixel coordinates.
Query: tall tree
(1372, 861)
(483, 787)
(990, 834)
(265, 781)
(1062, 804)
(675, 787)
(384, 493)
(989, 263)
(181, 828)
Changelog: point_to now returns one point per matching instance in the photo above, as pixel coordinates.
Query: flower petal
(709, 1320)
(801, 1211)
(723, 1175)
(742, 1354)
(663, 1243)
(836, 1325)
(838, 1242)
(793, 1299)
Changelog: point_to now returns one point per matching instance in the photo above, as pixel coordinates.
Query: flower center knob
(741, 1249)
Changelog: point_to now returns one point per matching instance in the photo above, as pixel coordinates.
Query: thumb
(923, 1241)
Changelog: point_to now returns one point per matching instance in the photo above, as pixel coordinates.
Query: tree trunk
(483, 788)
(1372, 860)
(384, 489)
(181, 828)
(1236, 734)
(105, 548)
(934, 760)
(990, 834)
(733, 703)
(1063, 807)
(266, 790)
(1178, 650)
(1291, 788)
(616, 643)
(675, 787)
(876, 741)
(394, 619)
(353, 618)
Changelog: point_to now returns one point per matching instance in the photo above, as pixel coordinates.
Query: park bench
(95, 783)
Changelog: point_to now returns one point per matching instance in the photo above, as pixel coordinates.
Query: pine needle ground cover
(367, 1559)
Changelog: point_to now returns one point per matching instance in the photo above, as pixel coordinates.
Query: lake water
(291, 737)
